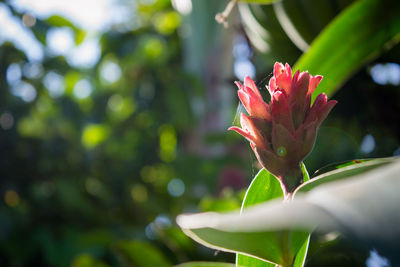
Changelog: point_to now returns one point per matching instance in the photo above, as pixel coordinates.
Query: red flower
(283, 133)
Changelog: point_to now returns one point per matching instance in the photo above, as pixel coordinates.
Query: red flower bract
(283, 133)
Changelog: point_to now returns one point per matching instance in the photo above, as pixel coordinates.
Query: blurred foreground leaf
(364, 207)
(344, 171)
(359, 34)
(256, 249)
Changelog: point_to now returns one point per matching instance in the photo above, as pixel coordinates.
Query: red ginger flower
(283, 133)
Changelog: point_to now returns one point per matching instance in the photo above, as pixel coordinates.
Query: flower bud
(283, 133)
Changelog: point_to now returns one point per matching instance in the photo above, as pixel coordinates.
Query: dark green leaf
(359, 34)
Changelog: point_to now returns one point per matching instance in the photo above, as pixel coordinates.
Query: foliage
(97, 179)
(339, 206)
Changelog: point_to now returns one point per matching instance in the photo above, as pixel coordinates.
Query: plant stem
(286, 257)
(290, 181)
(221, 17)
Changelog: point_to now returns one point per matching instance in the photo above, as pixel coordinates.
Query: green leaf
(264, 187)
(357, 35)
(205, 264)
(344, 171)
(302, 253)
(306, 176)
(264, 245)
(364, 207)
(256, 249)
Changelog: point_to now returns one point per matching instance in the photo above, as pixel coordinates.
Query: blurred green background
(113, 118)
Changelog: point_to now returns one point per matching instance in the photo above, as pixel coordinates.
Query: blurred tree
(97, 152)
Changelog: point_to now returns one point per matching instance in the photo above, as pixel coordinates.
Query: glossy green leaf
(205, 264)
(302, 253)
(306, 176)
(265, 248)
(264, 187)
(346, 171)
(264, 245)
(357, 35)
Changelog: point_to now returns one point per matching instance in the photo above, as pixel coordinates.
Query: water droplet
(281, 151)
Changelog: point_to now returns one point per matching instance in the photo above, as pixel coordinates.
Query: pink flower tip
(288, 121)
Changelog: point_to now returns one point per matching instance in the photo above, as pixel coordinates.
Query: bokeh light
(60, 41)
(14, 74)
(6, 120)
(29, 20)
(368, 144)
(24, 90)
(176, 187)
(83, 89)
(32, 70)
(388, 73)
(139, 193)
(168, 141)
(86, 55)
(11, 198)
(94, 134)
(54, 83)
(110, 72)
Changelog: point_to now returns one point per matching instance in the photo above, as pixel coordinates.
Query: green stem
(290, 181)
(287, 259)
